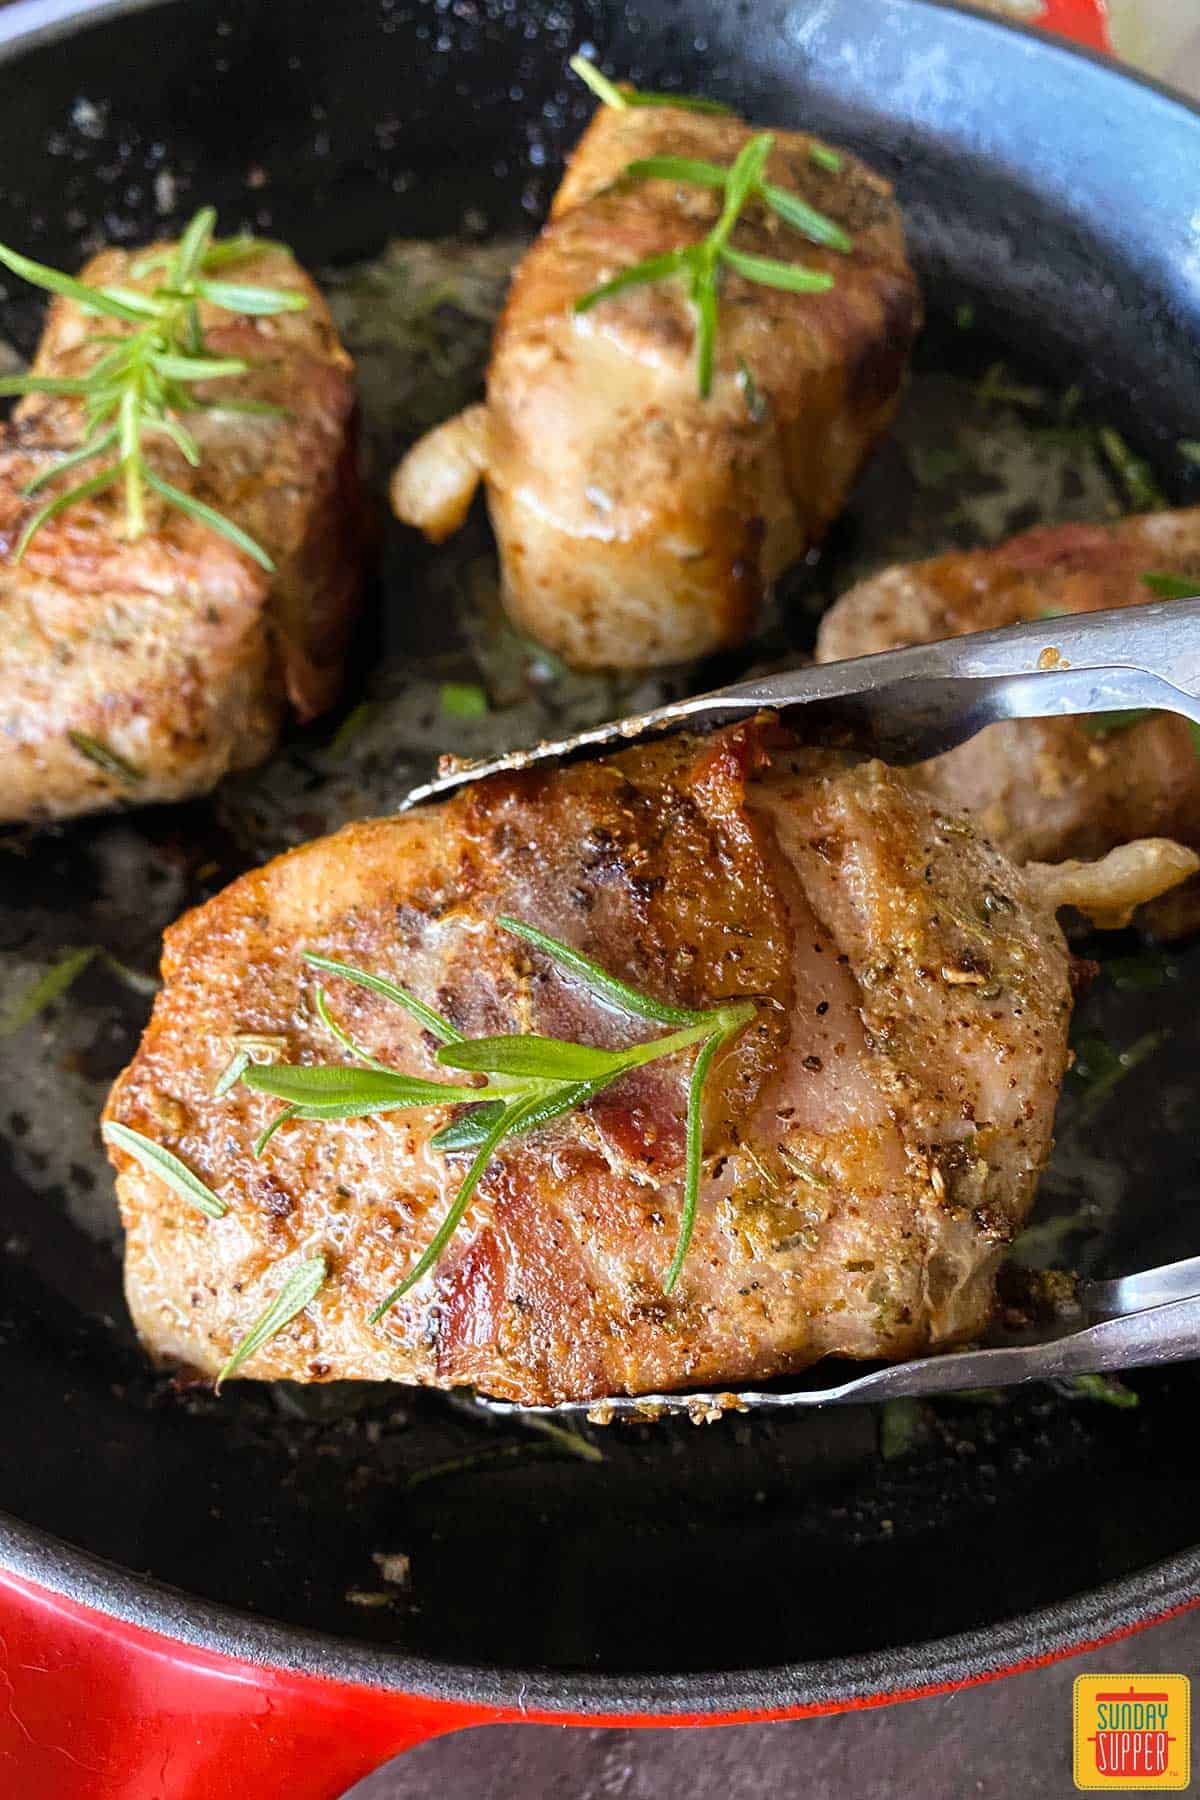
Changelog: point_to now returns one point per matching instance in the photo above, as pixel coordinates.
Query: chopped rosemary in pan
(145, 376)
(301, 1286)
(167, 1166)
(529, 1080)
(47, 988)
(464, 700)
(701, 262)
(1135, 475)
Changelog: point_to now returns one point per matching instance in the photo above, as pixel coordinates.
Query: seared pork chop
(146, 670)
(638, 522)
(872, 1139)
(1044, 788)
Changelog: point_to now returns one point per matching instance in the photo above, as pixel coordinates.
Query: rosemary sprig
(145, 377)
(790, 207)
(701, 262)
(528, 1080)
(301, 1286)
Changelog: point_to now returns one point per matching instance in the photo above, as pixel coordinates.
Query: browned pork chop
(872, 1140)
(176, 654)
(1044, 788)
(639, 523)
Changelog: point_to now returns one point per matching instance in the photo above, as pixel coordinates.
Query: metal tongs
(906, 706)
(1130, 1323)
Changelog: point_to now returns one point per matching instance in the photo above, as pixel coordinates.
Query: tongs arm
(907, 705)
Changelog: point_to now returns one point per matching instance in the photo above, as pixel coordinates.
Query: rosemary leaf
(604, 986)
(706, 334)
(1143, 491)
(377, 984)
(797, 213)
(71, 386)
(473, 1127)
(197, 368)
(255, 302)
(372, 1090)
(298, 1291)
(105, 758)
(676, 168)
(342, 1035)
(239, 248)
(464, 700)
(470, 1130)
(95, 485)
(743, 178)
(191, 250)
(609, 94)
(181, 438)
(208, 515)
(1172, 587)
(268, 1132)
(542, 1058)
(805, 218)
(94, 446)
(231, 1074)
(769, 273)
(567, 1437)
(654, 268)
(49, 986)
(144, 305)
(697, 103)
(825, 158)
(692, 1153)
(89, 299)
(606, 91)
(508, 1124)
(168, 1168)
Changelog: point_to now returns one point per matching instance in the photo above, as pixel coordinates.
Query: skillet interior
(730, 1548)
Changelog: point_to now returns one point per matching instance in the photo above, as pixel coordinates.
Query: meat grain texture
(1044, 789)
(639, 523)
(871, 1142)
(176, 653)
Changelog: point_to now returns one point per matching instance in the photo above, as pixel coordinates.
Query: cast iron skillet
(744, 1571)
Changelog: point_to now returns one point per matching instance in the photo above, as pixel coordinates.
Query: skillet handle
(1085, 21)
(94, 1708)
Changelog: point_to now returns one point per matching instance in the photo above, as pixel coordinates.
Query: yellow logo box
(1133, 1732)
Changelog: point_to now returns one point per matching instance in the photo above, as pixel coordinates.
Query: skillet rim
(1046, 1634)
